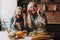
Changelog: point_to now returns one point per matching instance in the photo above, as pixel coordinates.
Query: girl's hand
(24, 16)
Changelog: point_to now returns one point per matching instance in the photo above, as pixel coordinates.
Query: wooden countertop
(53, 22)
(4, 36)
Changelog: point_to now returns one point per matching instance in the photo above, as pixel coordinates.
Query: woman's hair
(31, 3)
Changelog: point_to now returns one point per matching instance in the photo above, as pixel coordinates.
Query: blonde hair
(16, 11)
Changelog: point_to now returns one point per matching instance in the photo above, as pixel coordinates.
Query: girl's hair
(16, 11)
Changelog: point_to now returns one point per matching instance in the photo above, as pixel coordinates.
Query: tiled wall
(51, 8)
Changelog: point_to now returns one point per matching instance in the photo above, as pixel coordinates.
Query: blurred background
(50, 7)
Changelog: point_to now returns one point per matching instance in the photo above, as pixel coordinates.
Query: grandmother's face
(32, 9)
(19, 11)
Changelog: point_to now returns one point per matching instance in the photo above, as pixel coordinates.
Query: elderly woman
(36, 18)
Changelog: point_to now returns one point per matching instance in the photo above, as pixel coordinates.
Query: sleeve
(44, 16)
(11, 22)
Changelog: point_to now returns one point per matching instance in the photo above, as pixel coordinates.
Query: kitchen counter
(4, 36)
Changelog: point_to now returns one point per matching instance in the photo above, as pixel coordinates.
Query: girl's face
(19, 11)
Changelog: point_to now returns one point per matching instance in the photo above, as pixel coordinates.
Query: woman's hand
(24, 16)
(38, 11)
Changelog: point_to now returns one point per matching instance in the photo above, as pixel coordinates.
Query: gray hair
(29, 5)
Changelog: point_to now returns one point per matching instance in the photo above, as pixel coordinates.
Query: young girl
(18, 21)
